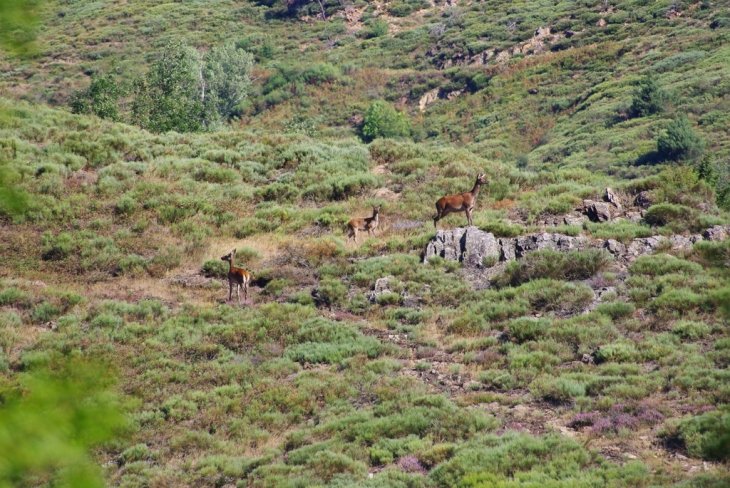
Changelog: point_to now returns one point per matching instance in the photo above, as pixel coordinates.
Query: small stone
(615, 247)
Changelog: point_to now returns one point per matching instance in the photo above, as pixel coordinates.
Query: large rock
(717, 233)
(546, 240)
(597, 211)
(468, 245)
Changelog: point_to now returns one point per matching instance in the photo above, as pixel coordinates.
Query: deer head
(229, 257)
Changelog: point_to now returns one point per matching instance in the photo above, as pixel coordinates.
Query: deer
(459, 203)
(369, 224)
(238, 276)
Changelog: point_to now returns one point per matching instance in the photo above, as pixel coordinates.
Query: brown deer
(239, 276)
(459, 203)
(369, 224)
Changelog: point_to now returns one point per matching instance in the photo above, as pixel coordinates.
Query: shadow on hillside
(650, 158)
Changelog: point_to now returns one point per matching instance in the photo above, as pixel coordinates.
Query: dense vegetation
(560, 369)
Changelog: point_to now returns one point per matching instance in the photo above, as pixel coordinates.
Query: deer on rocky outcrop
(369, 224)
(463, 202)
(236, 276)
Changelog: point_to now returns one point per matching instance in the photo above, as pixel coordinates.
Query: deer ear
(234, 252)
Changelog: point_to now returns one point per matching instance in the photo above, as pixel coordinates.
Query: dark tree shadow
(649, 159)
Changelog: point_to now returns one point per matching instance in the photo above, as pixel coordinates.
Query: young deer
(369, 224)
(459, 203)
(239, 276)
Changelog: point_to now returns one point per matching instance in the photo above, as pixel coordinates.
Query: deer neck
(475, 190)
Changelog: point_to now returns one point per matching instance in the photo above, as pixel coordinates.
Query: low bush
(572, 265)
(706, 436)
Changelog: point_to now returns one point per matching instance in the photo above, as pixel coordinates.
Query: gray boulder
(717, 233)
(469, 245)
(597, 211)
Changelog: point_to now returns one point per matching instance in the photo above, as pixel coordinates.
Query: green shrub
(681, 300)
(382, 120)
(690, 330)
(706, 436)
(216, 268)
(44, 312)
(332, 291)
(137, 452)
(648, 98)
(57, 248)
(572, 265)
(663, 264)
(528, 329)
(617, 352)
(665, 213)
(616, 310)
(680, 141)
(101, 98)
(560, 390)
(14, 296)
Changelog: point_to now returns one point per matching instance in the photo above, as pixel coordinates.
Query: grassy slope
(282, 392)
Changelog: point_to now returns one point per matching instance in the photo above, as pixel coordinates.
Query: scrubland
(528, 377)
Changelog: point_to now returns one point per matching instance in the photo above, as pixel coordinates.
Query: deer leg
(468, 216)
(245, 291)
(238, 292)
(230, 290)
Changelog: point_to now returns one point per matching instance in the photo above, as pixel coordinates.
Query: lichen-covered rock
(574, 219)
(717, 233)
(611, 197)
(615, 247)
(469, 245)
(597, 211)
(546, 240)
(508, 249)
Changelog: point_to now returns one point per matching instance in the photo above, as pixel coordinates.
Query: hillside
(576, 336)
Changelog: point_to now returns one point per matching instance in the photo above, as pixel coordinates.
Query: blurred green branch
(50, 421)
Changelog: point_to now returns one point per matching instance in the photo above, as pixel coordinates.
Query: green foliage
(216, 268)
(100, 98)
(680, 141)
(227, 78)
(18, 26)
(706, 436)
(382, 120)
(47, 432)
(572, 265)
(169, 96)
(707, 170)
(648, 98)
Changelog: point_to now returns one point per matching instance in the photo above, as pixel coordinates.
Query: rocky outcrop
(471, 245)
(468, 245)
(717, 233)
(428, 98)
(597, 211)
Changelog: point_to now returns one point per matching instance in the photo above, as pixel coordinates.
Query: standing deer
(459, 203)
(369, 224)
(239, 276)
